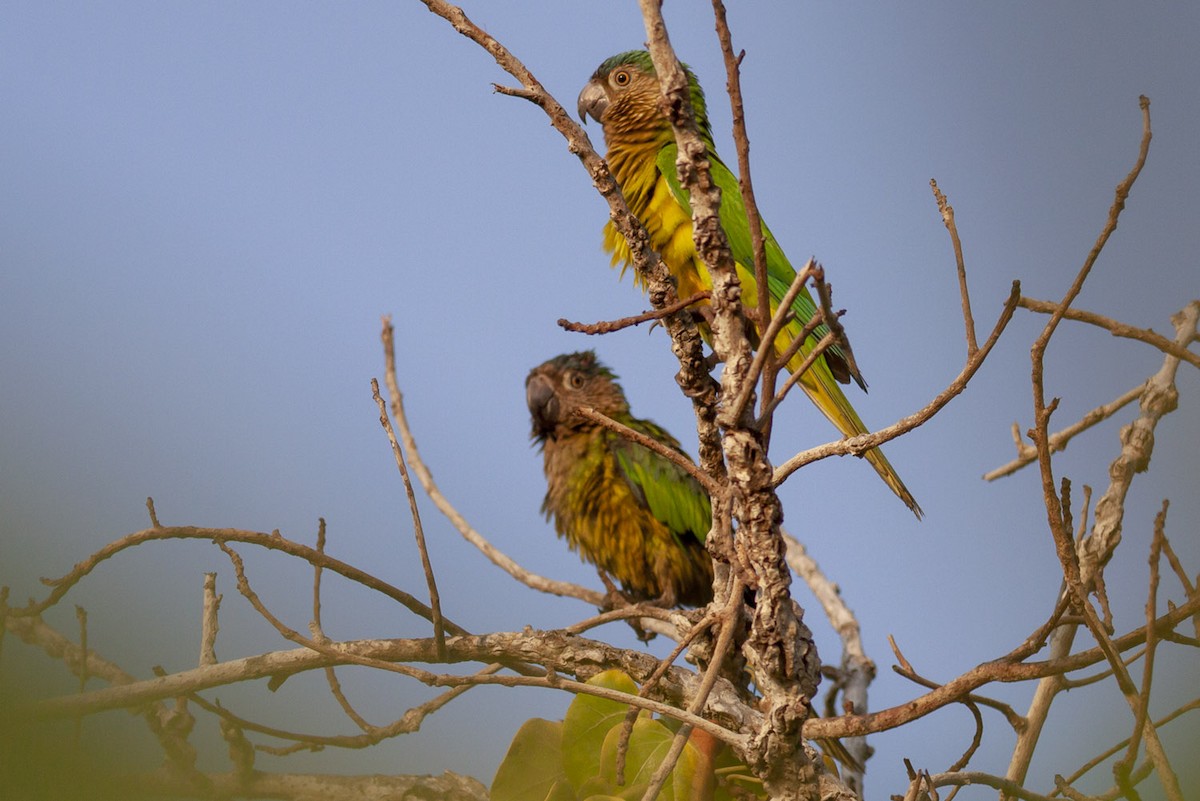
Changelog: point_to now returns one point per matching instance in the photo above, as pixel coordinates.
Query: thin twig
(783, 313)
(976, 739)
(1055, 511)
(630, 612)
(948, 218)
(741, 140)
(153, 514)
(318, 633)
(318, 571)
(62, 585)
(1010, 715)
(833, 319)
(1117, 329)
(1002, 669)
(609, 326)
(825, 343)
(972, 777)
(407, 723)
(1126, 763)
(865, 442)
(435, 603)
(290, 634)
(667, 452)
(1026, 454)
(1190, 706)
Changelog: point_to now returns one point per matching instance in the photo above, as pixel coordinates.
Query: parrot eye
(621, 78)
(573, 380)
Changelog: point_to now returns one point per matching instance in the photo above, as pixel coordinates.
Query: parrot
(623, 96)
(634, 514)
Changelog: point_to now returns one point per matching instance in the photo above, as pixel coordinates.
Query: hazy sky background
(206, 207)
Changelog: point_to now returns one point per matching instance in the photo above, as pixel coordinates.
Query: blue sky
(205, 209)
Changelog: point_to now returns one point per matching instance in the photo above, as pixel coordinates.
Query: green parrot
(634, 514)
(623, 95)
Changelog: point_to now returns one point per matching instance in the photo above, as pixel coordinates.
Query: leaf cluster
(599, 752)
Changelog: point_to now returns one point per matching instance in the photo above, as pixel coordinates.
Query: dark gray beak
(543, 405)
(593, 100)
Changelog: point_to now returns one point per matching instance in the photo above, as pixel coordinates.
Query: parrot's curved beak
(593, 100)
(543, 405)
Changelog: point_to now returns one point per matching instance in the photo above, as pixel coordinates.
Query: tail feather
(823, 389)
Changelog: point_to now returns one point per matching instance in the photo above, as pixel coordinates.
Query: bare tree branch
(446, 787)
(864, 442)
(435, 604)
(1159, 397)
(608, 327)
(1027, 454)
(1003, 669)
(947, 212)
(857, 669)
(1174, 348)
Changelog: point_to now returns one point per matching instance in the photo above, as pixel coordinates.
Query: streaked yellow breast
(649, 197)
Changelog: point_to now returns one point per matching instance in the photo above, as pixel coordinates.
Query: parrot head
(555, 389)
(623, 95)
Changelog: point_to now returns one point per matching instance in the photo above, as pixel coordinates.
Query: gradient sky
(206, 207)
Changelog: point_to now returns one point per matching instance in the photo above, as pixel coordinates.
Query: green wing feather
(736, 224)
(675, 498)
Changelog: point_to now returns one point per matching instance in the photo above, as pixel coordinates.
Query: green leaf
(648, 745)
(532, 768)
(588, 722)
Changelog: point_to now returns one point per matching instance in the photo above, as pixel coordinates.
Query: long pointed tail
(823, 389)
(888, 473)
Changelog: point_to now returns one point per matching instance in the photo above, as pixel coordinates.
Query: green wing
(666, 489)
(736, 224)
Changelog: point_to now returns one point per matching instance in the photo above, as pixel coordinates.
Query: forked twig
(435, 603)
(1027, 454)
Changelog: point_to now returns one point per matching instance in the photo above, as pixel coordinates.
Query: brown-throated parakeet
(623, 95)
(638, 517)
